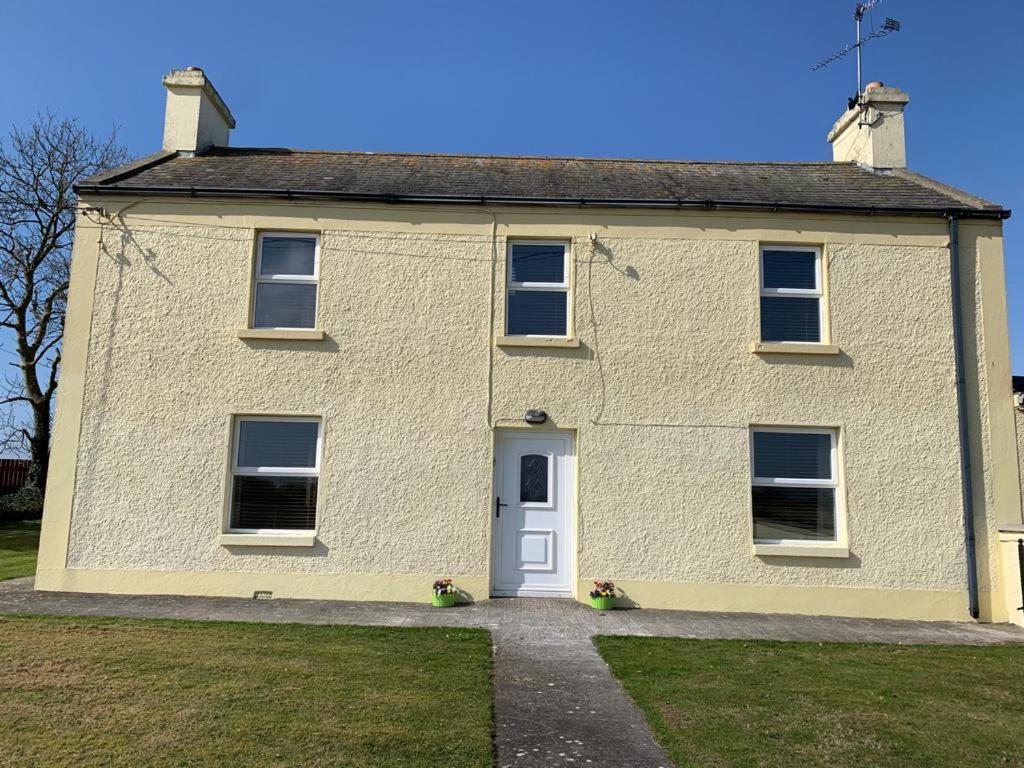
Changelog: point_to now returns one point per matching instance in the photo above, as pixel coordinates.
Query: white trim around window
(281, 278)
(514, 327)
(817, 292)
(807, 546)
(303, 534)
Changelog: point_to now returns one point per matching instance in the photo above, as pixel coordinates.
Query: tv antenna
(890, 26)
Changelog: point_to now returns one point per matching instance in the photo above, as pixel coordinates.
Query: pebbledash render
(724, 386)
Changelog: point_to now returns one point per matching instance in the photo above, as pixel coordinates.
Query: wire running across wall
(170, 227)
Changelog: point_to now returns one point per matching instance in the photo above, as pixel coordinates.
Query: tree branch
(39, 166)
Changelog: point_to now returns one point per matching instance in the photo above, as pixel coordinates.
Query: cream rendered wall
(398, 383)
(661, 393)
(664, 492)
(990, 403)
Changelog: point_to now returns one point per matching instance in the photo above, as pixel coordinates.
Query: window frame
(818, 292)
(285, 279)
(835, 482)
(234, 470)
(565, 286)
(551, 470)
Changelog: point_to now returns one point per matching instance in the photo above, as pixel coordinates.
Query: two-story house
(777, 387)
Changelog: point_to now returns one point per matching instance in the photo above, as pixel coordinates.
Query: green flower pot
(442, 601)
(602, 603)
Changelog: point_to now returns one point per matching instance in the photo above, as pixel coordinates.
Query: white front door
(533, 533)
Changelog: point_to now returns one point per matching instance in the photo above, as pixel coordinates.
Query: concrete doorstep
(555, 701)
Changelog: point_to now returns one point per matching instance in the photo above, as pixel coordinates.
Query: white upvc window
(538, 299)
(275, 473)
(792, 304)
(286, 284)
(795, 485)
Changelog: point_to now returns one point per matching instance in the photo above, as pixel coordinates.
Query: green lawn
(18, 544)
(766, 704)
(118, 692)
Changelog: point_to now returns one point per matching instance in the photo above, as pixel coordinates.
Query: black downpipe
(967, 481)
(1020, 567)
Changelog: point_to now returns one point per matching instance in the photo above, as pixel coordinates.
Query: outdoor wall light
(534, 416)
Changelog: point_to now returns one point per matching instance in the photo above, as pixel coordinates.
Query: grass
(772, 704)
(120, 692)
(19, 542)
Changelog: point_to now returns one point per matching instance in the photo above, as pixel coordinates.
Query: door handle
(498, 505)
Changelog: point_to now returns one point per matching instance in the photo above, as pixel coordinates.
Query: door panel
(532, 551)
(536, 550)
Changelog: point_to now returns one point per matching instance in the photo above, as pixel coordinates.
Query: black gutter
(967, 481)
(704, 205)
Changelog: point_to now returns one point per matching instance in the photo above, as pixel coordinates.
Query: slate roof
(231, 172)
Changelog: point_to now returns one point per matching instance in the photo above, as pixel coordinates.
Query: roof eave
(121, 172)
(734, 205)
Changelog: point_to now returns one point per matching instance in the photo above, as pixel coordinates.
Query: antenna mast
(891, 25)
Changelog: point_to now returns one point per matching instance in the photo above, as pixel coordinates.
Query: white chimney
(871, 131)
(196, 116)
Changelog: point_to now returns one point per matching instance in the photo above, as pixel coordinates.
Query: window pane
(790, 319)
(538, 263)
(533, 478)
(794, 513)
(284, 305)
(288, 256)
(789, 269)
(537, 313)
(277, 443)
(805, 455)
(274, 502)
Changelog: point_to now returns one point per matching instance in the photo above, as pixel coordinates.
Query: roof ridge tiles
(223, 151)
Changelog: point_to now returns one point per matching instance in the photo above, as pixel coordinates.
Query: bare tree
(39, 165)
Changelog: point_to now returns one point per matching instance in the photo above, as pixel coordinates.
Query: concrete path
(529, 619)
(555, 701)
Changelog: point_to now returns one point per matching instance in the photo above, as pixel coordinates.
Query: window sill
(793, 348)
(312, 334)
(801, 550)
(267, 539)
(555, 342)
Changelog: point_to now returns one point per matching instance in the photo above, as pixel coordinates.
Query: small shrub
(24, 504)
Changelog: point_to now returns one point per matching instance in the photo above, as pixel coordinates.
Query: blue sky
(724, 80)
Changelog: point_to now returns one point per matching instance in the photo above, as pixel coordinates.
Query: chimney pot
(871, 131)
(196, 117)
